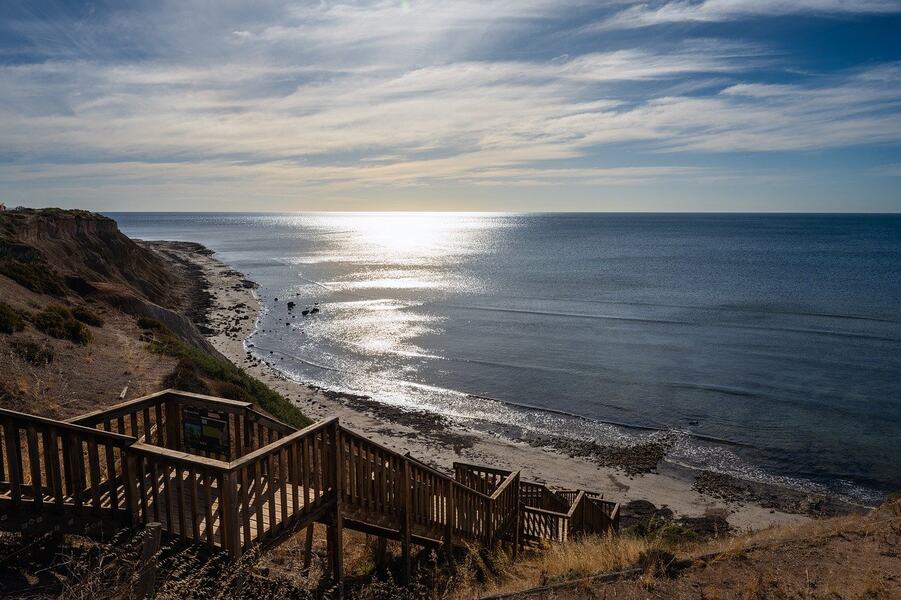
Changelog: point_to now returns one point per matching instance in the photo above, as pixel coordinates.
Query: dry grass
(843, 557)
(558, 562)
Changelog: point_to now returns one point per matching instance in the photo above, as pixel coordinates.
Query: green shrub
(57, 321)
(36, 276)
(224, 389)
(87, 316)
(186, 377)
(222, 375)
(10, 319)
(31, 352)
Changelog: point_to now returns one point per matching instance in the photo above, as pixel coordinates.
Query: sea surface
(764, 346)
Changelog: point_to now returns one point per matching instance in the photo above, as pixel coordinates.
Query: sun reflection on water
(402, 238)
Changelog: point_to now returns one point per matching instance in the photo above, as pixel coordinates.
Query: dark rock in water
(305, 312)
(287, 324)
(314, 311)
(291, 305)
(276, 298)
(693, 423)
(732, 489)
(633, 460)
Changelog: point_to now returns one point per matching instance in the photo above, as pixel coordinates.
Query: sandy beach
(232, 313)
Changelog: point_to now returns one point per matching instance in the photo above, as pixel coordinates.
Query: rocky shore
(631, 475)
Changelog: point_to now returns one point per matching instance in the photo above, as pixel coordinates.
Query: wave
(722, 308)
(572, 315)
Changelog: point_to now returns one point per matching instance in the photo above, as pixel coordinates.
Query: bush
(86, 316)
(186, 377)
(10, 319)
(57, 321)
(231, 391)
(36, 276)
(221, 374)
(33, 353)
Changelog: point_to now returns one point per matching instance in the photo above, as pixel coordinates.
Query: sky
(496, 105)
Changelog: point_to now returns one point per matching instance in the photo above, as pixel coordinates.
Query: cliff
(88, 314)
(84, 245)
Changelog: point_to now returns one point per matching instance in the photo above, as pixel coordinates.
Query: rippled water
(779, 335)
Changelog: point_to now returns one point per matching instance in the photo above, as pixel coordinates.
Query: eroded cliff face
(88, 247)
(56, 266)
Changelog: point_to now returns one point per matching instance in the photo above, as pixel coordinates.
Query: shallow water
(778, 335)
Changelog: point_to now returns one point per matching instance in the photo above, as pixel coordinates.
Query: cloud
(711, 11)
(338, 96)
(531, 110)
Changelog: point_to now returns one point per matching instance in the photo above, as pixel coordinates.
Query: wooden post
(231, 537)
(308, 548)
(517, 521)
(405, 533)
(150, 545)
(11, 435)
(130, 466)
(173, 425)
(450, 515)
(489, 519)
(337, 537)
(381, 554)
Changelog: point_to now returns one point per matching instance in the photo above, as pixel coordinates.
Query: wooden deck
(135, 463)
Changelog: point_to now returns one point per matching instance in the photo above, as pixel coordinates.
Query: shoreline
(635, 475)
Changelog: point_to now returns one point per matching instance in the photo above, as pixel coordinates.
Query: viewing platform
(219, 472)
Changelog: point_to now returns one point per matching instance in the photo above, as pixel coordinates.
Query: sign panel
(205, 430)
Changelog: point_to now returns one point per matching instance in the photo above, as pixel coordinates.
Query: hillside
(88, 315)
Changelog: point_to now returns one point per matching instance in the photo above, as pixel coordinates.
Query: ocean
(762, 346)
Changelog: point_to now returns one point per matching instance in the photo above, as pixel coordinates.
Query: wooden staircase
(137, 462)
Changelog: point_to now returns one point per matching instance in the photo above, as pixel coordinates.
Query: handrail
(124, 408)
(180, 457)
(507, 482)
(117, 437)
(277, 445)
(580, 497)
(492, 470)
(428, 468)
(271, 422)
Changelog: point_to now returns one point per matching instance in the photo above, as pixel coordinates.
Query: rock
(304, 312)
(642, 512)
(314, 311)
(291, 306)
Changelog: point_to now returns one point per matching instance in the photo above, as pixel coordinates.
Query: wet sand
(622, 475)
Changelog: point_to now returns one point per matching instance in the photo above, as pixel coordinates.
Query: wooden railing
(402, 493)
(278, 486)
(49, 464)
(270, 479)
(586, 512)
(158, 418)
(480, 478)
(537, 495)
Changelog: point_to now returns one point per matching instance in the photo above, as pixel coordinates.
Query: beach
(232, 310)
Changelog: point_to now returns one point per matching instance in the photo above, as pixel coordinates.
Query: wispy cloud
(337, 96)
(711, 11)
